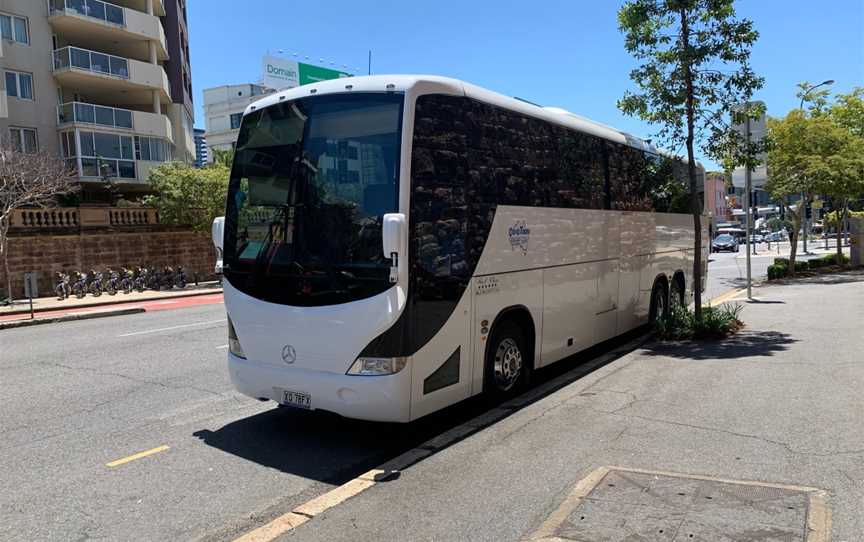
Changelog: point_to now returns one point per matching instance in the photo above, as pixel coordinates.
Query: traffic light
(808, 212)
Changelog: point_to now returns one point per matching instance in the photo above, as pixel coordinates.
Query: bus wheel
(659, 302)
(508, 360)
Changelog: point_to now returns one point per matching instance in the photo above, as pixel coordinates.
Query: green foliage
(188, 196)
(833, 218)
(848, 111)
(778, 224)
(777, 272)
(695, 68)
(780, 269)
(223, 157)
(716, 323)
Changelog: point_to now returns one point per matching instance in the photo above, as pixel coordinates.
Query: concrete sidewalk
(779, 407)
(44, 304)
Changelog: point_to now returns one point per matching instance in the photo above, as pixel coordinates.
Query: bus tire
(659, 307)
(508, 361)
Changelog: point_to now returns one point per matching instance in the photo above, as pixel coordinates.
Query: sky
(566, 54)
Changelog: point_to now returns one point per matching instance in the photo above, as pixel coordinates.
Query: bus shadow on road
(331, 449)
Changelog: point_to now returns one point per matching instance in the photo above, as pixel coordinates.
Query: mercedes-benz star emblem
(289, 355)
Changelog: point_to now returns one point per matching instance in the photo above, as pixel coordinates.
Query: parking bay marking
(170, 328)
(139, 455)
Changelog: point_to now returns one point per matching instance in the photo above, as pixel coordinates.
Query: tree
(189, 196)
(813, 155)
(848, 111)
(695, 68)
(28, 180)
(224, 157)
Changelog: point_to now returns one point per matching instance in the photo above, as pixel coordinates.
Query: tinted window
(528, 161)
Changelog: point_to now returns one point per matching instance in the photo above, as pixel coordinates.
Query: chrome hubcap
(508, 364)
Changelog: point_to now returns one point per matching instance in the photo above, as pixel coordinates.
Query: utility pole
(803, 208)
(370, 63)
(748, 188)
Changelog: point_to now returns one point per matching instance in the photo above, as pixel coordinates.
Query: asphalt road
(80, 395)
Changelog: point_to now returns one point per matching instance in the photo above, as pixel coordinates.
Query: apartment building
(223, 110)
(106, 85)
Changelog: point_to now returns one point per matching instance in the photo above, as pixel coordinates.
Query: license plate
(296, 399)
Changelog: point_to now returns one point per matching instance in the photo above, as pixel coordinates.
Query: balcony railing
(95, 9)
(100, 115)
(83, 59)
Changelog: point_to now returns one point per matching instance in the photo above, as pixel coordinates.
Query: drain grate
(615, 505)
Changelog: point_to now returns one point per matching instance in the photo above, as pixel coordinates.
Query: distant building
(200, 148)
(223, 110)
(715, 198)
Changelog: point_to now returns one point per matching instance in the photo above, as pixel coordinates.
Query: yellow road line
(139, 455)
(727, 296)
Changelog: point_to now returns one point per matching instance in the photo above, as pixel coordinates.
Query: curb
(390, 470)
(70, 318)
(115, 301)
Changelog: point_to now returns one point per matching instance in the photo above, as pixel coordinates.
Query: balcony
(117, 79)
(88, 115)
(101, 25)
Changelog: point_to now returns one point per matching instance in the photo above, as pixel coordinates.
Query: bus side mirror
(394, 232)
(218, 233)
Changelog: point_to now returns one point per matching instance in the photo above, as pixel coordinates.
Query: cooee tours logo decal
(519, 233)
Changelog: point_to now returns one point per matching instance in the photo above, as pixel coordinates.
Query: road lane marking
(222, 347)
(172, 327)
(727, 296)
(139, 455)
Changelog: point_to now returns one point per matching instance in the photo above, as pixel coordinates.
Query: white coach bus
(395, 244)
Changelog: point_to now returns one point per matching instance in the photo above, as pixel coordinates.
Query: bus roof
(433, 84)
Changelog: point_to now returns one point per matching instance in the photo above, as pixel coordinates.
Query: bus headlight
(377, 366)
(234, 343)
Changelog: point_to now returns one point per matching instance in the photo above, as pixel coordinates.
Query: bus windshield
(311, 181)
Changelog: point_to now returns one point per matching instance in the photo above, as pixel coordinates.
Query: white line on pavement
(172, 327)
(224, 346)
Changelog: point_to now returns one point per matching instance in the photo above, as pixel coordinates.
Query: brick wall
(48, 253)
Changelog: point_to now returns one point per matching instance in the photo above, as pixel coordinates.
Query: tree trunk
(793, 251)
(691, 170)
(4, 252)
(793, 237)
(841, 219)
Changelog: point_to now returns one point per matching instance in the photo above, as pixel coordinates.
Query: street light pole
(747, 188)
(803, 209)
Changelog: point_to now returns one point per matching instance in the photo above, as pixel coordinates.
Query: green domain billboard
(313, 74)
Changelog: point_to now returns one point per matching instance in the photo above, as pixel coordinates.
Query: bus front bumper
(374, 398)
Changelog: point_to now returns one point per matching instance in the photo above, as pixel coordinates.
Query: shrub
(782, 261)
(717, 322)
(831, 259)
(777, 271)
(816, 263)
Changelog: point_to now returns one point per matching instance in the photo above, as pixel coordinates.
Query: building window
(153, 149)
(24, 140)
(19, 85)
(235, 120)
(14, 28)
